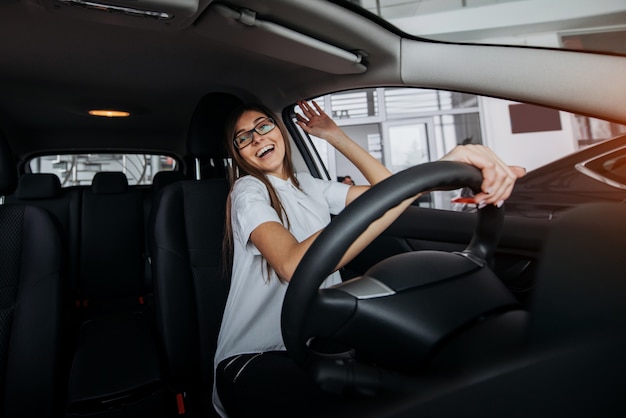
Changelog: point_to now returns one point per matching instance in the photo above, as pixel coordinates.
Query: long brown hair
(240, 167)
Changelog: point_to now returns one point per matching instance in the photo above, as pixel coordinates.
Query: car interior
(112, 293)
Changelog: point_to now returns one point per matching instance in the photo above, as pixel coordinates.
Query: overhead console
(156, 14)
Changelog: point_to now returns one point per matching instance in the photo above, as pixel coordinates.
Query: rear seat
(114, 369)
(44, 190)
(102, 227)
(112, 256)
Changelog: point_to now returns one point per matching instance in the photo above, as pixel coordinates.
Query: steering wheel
(404, 307)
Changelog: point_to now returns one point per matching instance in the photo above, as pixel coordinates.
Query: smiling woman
(140, 201)
(273, 216)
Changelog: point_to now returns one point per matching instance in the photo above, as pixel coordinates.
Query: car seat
(31, 304)
(190, 287)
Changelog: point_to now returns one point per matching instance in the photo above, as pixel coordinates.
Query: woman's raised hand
(314, 121)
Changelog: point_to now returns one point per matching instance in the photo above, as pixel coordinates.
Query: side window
(403, 127)
(79, 169)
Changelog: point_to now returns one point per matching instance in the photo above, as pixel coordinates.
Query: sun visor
(244, 30)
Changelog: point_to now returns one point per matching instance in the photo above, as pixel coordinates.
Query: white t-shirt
(251, 321)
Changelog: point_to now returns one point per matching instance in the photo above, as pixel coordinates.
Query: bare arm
(316, 122)
(278, 246)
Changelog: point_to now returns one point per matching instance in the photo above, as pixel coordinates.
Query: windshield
(598, 25)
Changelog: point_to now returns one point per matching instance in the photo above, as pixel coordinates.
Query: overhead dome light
(119, 9)
(110, 113)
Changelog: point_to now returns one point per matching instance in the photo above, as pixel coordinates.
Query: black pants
(271, 384)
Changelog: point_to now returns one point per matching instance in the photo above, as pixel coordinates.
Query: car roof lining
(122, 65)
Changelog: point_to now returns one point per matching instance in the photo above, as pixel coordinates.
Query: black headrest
(38, 186)
(581, 281)
(206, 131)
(8, 168)
(163, 178)
(109, 182)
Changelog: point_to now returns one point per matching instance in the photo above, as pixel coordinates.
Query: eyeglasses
(244, 139)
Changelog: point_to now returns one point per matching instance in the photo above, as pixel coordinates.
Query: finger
(501, 188)
(318, 108)
(519, 171)
(498, 178)
(491, 184)
(508, 183)
(304, 106)
(301, 118)
(302, 122)
(505, 180)
(489, 171)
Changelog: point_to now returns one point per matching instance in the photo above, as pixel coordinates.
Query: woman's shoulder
(247, 181)
(248, 184)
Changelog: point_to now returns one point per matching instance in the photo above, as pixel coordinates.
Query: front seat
(30, 304)
(186, 230)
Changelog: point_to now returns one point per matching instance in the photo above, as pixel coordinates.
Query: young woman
(273, 216)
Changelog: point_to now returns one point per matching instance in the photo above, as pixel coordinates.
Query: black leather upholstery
(111, 239)
(44, 190)
(115, 370)
(109, 182)
(30, 306)
(205, 138)
(38, 186)
(190, 289)
(163, 178)
(8, 179)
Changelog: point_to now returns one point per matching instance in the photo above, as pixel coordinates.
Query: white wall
(359, 134)
(529, 150)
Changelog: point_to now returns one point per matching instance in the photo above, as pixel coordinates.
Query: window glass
(581, 25)
(354, 105)
(79, 169)
(402, 101)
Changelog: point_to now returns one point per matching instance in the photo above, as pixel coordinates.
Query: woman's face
(265, 152)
